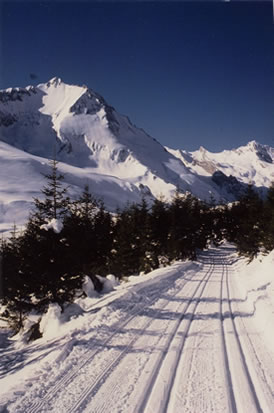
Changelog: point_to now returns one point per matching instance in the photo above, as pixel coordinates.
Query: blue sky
(188, 73)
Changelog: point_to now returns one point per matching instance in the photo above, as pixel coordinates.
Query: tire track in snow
(93, 387)
(199, 383)
(232, 402)
(242, 386)
(157, 397)
(89, 355)
(162, 351)
(259, 360)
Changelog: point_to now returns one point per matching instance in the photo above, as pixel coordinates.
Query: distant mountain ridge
(96, 145)
(252, 163)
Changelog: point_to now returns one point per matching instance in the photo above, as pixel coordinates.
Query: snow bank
(88, 288)
(50, 322)
(256, 286)
(114, 280)
(109, 282)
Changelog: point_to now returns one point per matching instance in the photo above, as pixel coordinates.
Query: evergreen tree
(79, 234)
(268, 220)
(55, 202)
(216, 223)
(130, 253)
(88, 235)
(185, 232)
(122, 258)
(103, 230)
(16, 291)
(159, 227)
(248, 231)
(176, 236)
(227, 223)
(43, 250)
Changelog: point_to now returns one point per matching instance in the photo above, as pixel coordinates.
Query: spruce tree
(88, 235)
(185, 227)
(159, 227)
(268, 220)
(55, 202)
(248, 213)
(131, 250)
(16, 289)
(44, 249)
(78, 233)
(124, 260)
(103, 234)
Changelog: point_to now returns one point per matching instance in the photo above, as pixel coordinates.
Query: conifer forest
(65, 240)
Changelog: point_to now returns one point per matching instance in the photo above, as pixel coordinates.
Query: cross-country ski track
(182, 342)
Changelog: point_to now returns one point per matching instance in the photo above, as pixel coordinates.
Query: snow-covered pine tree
(159, 226)
(88, 234)
(131, 240)
(43, 246)
(248, 213)
(103, 230)
(268, 220)
(16, 291)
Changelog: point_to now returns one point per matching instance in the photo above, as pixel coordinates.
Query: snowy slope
(22, 179)
(180, 339)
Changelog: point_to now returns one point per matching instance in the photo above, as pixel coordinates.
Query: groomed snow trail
(182, 344)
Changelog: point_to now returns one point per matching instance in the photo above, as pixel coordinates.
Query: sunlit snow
(168, 341)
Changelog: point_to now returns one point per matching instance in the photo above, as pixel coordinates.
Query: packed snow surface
(192, 337)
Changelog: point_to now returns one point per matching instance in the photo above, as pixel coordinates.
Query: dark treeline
(65, 240)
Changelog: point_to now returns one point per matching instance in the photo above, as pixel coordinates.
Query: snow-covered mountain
(97, 146)
(252, 163)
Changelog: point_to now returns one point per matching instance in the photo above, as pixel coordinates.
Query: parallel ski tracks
(239, 374)
(156, 385)
(232, 402)
(259, 377)
(174, 334)
(151, 398)
(89, 355)
(232, 384)
(92, 388)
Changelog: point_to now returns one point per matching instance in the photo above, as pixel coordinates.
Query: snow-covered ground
(21, 180)
(192, 337)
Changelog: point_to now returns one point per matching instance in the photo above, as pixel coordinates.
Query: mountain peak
(254, 145)
(262, 152)
(55, 81)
